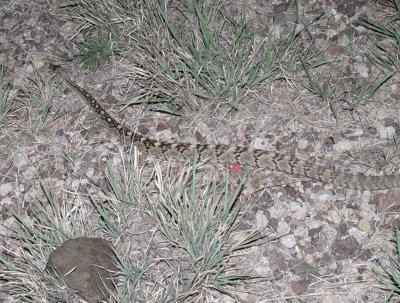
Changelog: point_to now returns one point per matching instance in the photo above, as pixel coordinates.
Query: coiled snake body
(241, 155)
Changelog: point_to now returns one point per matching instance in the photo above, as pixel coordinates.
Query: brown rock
(87, 265)
(302, 269)
(299, 287)
(345, 248)
(389, 201)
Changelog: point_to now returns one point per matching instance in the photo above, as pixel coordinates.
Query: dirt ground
(326, 239)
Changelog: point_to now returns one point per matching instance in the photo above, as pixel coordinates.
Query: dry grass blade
(38, 95)
(5, 101)
(186, 47)
(388, 272)
(387, 53)
(200, 218)
(35, 237)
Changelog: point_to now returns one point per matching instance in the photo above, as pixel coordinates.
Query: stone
(364, 225)
(5, 189)
(299, 287)
(343, 146)
(345, 248)
(88, 265)
(289, 241)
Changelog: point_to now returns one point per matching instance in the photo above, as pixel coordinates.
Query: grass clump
(217, 54)
(51, 222)
(199, 48)
(387, 53)
(97, 49)
(38, 94)
(5, 101)
(176, 237)
(388, 273)
(200, 219)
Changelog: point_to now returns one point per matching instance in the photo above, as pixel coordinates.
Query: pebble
(387, 132)
(289, 241)
(362, 69)
(261, 219)
(75, 184)
(302, 144)
(294, 206)
(331, 299)
(260, 143)
(364, 225)
(293, 126)
(314, 224)
(116, 161)
(323, 198)
(343, 146)
(90, 172)
(5, 189)
(330, 234)
(20, 160)
(359, 235)
(283, 228)
(301, 213)
(30, 173)
(6, 201)
(7, 225)
(300, 231)
(394, 88)
(334, 216)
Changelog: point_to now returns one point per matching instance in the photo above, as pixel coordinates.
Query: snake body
(230, 154)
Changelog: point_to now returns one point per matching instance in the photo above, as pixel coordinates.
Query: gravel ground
(326, 238)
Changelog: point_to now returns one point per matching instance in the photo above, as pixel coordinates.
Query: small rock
(359, 235)
(387, 132)
(161, 127)
(275, 31)
(142, 129)
(302, 144)
(315, 224)
(300, 232)
(299, 287)
(334, 216)
(328, 144)
(5, 189)
(372, 130)
(283, 228)
(289, 241)
(261, 219)
(315, 231)
(280, 262)
(336, 50)
(330, 299)
(260, 143)
(302, 269)
(364, 225)
(327, 236)
(301, 213)
(30, 173)
(273, 224)
(293, 126)
(362, 69)
(343, 146)
(323, 198)
(345, 248)
(20, 160)
(387, 201)
(266, 200)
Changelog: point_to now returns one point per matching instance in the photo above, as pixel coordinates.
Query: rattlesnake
(237, 154)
